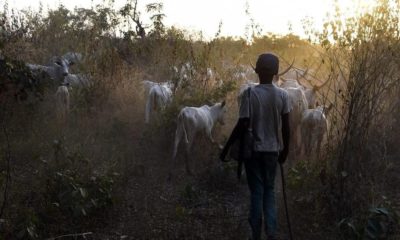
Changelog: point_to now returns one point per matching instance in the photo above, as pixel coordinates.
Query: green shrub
(79, 196)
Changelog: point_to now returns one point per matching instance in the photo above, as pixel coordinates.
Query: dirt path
(210, 205)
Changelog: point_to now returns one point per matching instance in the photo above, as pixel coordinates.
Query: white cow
(209, 73)
(314, 126)
(62, 102)
(57, 69)
(193, 120)
(297, 97)
(211, 79)
(186, 72)
(292, 79)
(158, 97)
(149, 84)
(298, 104)
(183, 73)
(311, 94)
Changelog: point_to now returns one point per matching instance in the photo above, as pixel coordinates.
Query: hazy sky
(205, 15)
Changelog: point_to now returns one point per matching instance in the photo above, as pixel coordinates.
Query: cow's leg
(209, 135)
(303, 143)
(178, 135)
(310, 140)
(293, 151)
(298, 140)
(188, 146)
(319, 141)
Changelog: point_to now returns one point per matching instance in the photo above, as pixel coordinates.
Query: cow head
(292, 78)
(311, 94)
(325, 109)
(60, 67)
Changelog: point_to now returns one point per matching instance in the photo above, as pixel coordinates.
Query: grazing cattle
(311, 94)
(183, 75)
(292, 79)
(297, 99)
(298, 103)
(187, 72)
(314, 126)
(158, 97)
(57, 69)
(211, 79)
(77, 80)
(148, 85)
(209, 74)
(192, 120)
(290, 83)
(62, 102)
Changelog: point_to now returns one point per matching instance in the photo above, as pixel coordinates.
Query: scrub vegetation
(102, 173)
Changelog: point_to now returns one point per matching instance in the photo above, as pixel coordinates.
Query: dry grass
(105, 134)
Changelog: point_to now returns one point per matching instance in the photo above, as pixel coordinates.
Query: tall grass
(104, 143)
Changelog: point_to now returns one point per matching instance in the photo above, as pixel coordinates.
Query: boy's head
(267, 64)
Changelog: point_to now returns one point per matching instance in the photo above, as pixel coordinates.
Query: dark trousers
(261, 171)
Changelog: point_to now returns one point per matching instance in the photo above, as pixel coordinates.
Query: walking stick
(285, 201)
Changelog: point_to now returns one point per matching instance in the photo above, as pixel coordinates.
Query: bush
(79, 196)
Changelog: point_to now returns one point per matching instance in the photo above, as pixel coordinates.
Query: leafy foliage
(378, 225)
(79, 197)
(16, 80)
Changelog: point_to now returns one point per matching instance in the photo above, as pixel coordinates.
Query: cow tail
(178, 134)
(182, 123)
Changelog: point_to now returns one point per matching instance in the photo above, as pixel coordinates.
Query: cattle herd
(308, 119)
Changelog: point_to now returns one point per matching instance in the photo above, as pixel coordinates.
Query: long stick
(285, 201)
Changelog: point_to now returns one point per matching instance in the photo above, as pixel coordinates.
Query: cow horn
(252, 66)
(316, 88)
(304, 74)
(223, 103)
(287, 69)
(329, 107)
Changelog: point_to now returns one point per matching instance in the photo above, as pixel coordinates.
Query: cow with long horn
(314, 127)
(292, 78)
(311, 94)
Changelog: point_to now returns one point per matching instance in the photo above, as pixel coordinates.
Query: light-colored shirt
(268, 103)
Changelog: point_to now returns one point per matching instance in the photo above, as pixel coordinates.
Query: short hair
(267, 63)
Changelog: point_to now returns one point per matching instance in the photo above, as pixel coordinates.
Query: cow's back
(199, 118)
